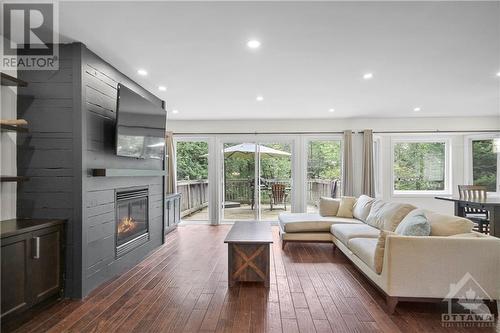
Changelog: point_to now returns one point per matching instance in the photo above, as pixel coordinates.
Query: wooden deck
(182, 287)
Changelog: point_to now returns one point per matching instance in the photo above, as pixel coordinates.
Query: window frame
(447, 166)
(377, 166)
(468, 162)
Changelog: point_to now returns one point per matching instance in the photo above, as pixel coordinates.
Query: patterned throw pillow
(414, 224)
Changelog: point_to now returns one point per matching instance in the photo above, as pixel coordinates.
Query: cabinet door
(46, 263)
(16, 295)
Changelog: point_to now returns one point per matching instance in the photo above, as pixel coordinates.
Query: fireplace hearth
(132, 220)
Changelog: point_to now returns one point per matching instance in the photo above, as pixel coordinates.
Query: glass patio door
(238, 181)
(256, 180)
(192, 179)
(275, 179)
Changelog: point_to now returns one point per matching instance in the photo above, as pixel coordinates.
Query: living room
(250, 166)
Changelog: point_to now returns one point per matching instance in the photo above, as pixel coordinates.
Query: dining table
(490, 204)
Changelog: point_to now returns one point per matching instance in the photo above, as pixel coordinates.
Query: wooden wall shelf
(17, 179)
(127, 173)
(12, 128)
(11, 81)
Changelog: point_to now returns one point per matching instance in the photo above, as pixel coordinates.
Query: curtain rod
(337, 132)
(433, 131)
(247, 133)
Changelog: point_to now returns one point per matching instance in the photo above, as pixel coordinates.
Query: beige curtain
(171, 177)
(368, 186)
(347, 172)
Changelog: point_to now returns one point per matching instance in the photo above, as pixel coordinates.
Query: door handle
(36, 247)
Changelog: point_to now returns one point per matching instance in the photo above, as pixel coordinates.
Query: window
(420, 166)
(483, 162)
(324, 169)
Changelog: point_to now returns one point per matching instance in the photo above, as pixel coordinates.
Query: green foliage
(484, 164)
(324, 160)
(419, 166)
(192, 160)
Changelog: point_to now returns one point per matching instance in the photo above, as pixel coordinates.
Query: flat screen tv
(140, 126)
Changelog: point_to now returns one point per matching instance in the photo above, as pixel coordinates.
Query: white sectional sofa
(409, 267)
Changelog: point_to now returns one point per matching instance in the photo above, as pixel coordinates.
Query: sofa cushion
(328, 206)
(448, 225)
(344, 232)
(414, 224)
(362, 207)
(470, 235)
(364, 249)
(310, 222)
(387, 215)
(380, 250)
(346, 206)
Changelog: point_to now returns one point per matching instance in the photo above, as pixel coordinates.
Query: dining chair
(479, 216)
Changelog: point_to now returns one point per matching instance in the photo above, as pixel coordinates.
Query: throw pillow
(387, 215)
(328, 206)
(346, 206)
(448, 225)
(414, 224)
(380, 249)
(362, 207)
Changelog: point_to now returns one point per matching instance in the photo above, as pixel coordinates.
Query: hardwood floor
(182, 287)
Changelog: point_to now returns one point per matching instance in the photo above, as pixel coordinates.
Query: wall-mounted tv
(140, 126)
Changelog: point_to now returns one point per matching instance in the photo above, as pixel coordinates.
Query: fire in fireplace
(132, 224)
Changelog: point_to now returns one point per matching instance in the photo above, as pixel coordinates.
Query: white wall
(8, 165)
(393, 124)
(333, 125)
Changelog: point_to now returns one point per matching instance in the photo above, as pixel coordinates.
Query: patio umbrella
(247, 149)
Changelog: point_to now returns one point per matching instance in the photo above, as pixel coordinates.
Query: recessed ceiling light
(175, 111)
(142, 72)
(253, 44)
(498, 74)
(331, 110)
(162, 88)
(417, 109)
(368, 76)
(259, 98)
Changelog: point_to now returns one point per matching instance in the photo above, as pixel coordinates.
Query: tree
(192, 160)
(419, 166)
(484, 164)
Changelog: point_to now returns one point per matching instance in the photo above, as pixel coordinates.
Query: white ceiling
(440, 56)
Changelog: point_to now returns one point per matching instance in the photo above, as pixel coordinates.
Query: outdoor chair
(278, 195)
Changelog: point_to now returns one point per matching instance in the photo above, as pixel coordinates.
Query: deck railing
(195, 192)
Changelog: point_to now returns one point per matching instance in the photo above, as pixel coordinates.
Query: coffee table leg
(230, 280)
(268, 272)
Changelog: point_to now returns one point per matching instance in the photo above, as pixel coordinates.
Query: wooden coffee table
(248, 245)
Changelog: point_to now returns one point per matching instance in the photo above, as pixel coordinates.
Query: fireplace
(132, 222)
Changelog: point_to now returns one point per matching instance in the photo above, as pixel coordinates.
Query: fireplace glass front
(131, 215)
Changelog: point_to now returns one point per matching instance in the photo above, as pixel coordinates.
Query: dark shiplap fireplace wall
(72, 114)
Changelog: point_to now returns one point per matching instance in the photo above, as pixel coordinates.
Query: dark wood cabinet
(31, 263)
(172, 212)
(15, 274)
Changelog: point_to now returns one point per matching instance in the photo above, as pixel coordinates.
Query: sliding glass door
(256, 180)
(275, 179)
(324, 169)
(192, 179)
(238, 181)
